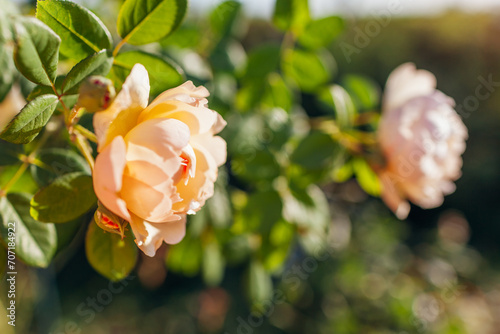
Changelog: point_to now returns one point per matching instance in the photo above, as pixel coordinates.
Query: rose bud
(96, 93)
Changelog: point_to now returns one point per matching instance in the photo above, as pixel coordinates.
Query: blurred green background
(437, 272)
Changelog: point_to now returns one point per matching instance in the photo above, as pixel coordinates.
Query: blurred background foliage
(273, 252)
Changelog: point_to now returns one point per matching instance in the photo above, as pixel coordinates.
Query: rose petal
(198, 119)
(199, 188)
(107, 178)
(187, 92)
(165, 137)
(148, 202)
(392, 199)
(405, 83)
(121, 116)
(215, 145)
(169, 163)
(150, 236)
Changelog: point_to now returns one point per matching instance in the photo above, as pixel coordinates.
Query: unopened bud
(96, 94)
(109, 222)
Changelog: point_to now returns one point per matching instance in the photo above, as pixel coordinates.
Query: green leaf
(364, 91)
(42, 89)
(320, 33)
(277, 247)
(291, 15)
(366, 177)
(315, 151)
(67, 198)
(345, 112)
(307, 208)
(81, 31)
(259, 284)
(307, 69)
(9, 153)
(163, 73)
(224, 16)
(3, 260)
(69, 100)
(219, 206)
(35, 242)
(25, 184)
(36, 51)
(146, 21)
(54, 162)
(262, 211)
(185, 257)
(256, 166)
(97, 64)
(7, 70)
(213, 264)
(108, 254)
(31, 120)
(184, 38)
(261, 62)
(67, 232)
(278, 95)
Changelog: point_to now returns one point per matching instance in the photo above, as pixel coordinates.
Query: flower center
(188, 163)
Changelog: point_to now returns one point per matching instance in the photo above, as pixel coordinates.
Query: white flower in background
(11, 106)
(422, 139)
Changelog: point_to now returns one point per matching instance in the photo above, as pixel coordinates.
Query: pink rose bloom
(157, 163)
(11, 106)
(422, 139)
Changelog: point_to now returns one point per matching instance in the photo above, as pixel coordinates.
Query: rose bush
(422, 139)
(157, 163)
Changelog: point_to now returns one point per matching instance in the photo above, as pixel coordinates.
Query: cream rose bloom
(11, 106)
(422, 139)
(157, 163)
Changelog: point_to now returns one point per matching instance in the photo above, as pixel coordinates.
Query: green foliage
(366, 177)
(146, 21)
(163, 73)
(7, 65)
(65, 199)
(96, 64)
(259, 286)
(364, 91)
(33, 242)
(8, 73)
(223, 17)
(277, 94)
(31, 120)
(9, 153)
(262, 211)
(109, 254)
(81, 31)
(186, 257)
(261, 62)
(213, 263)
(315, 151)
(36, 51)
(340, 101)
(219, 206)
(291, 15)
(308, 69)
(54, 162)
(320, 33)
